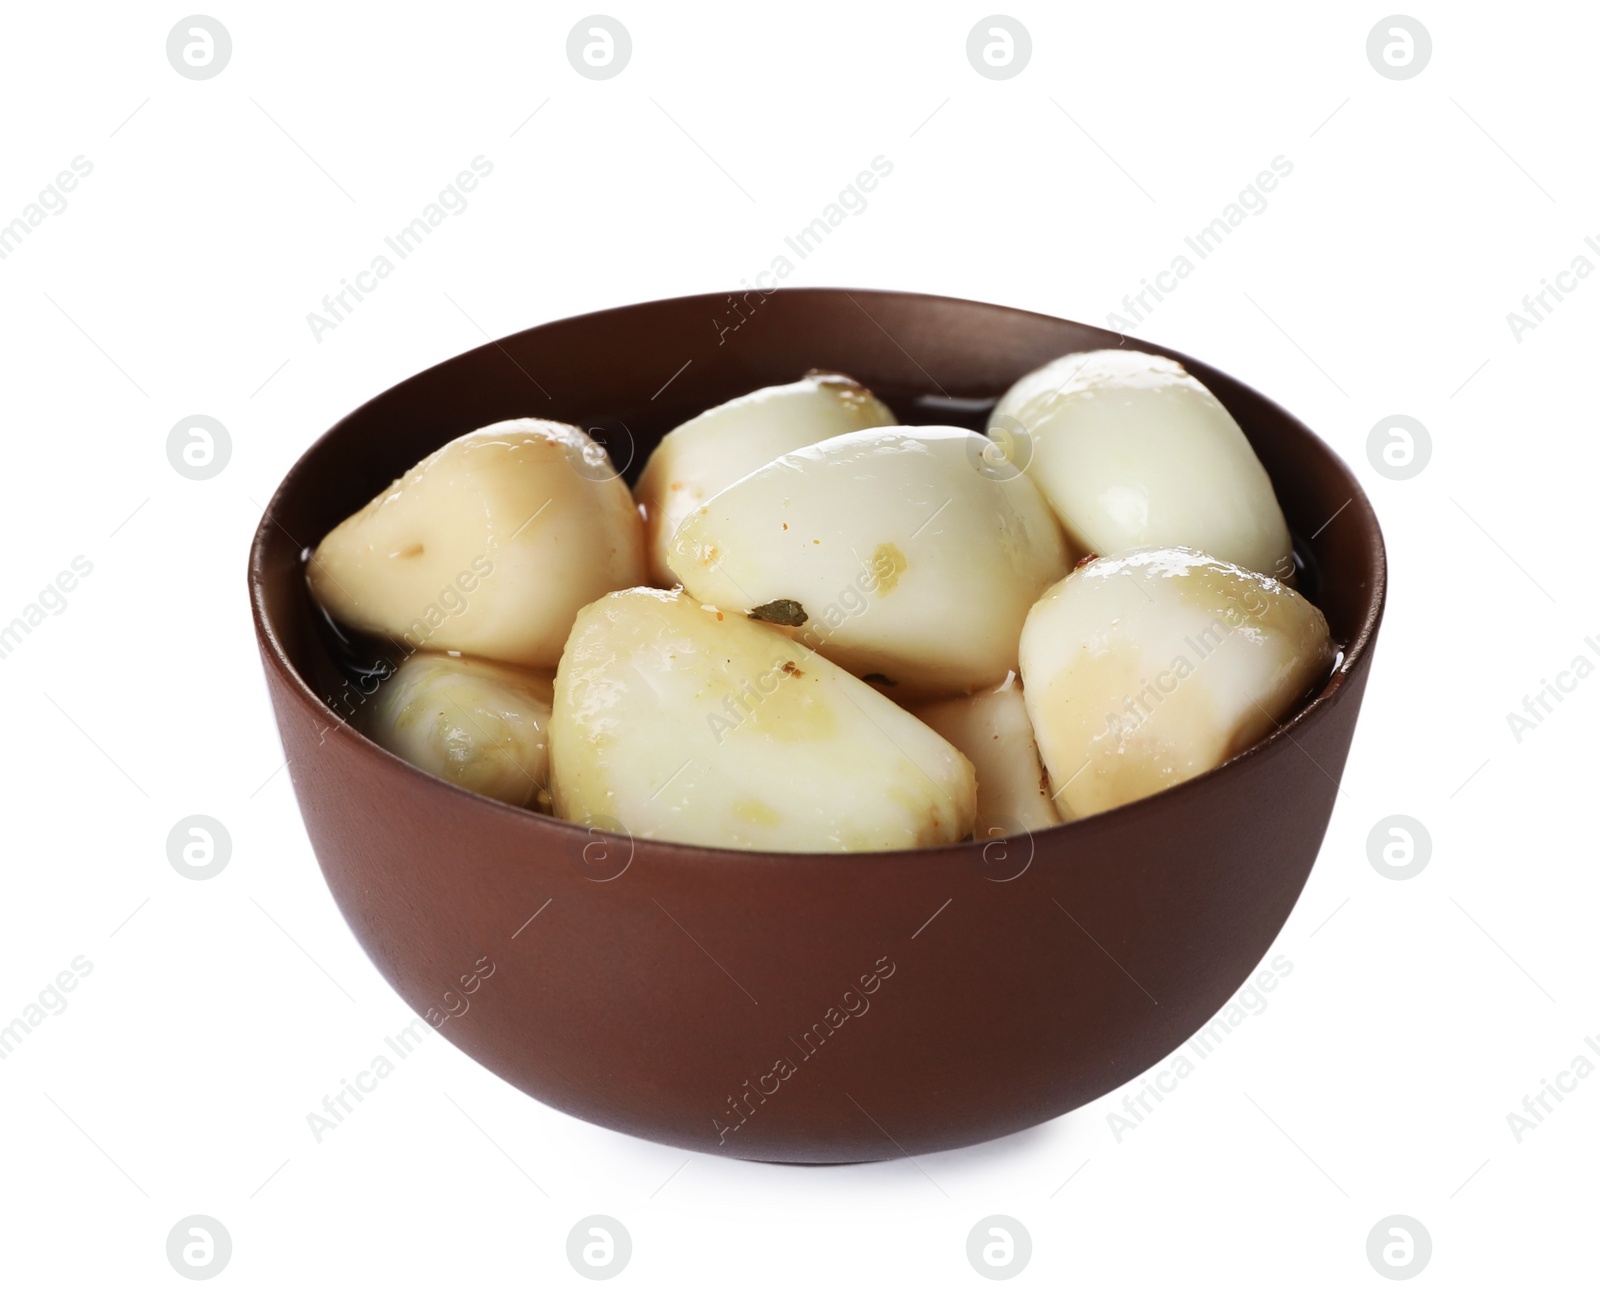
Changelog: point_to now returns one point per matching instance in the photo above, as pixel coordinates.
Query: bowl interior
(631, 374)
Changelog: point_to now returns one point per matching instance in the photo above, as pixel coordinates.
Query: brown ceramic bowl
(816, 1008)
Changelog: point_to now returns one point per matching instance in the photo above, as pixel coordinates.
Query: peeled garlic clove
(680, 722)
(1147, 668)
(899, 553)
(489, 546)
(481, 725)
(992, 730)
(1131, 450)
(698, 458)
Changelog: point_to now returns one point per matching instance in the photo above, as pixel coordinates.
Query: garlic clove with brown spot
(679, 722)
(1143, 669)
(489, 546)
(901, 553)
(714, 449)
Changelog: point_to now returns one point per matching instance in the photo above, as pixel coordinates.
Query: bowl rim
(1352, 655)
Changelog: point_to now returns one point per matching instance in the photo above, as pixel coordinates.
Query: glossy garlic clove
(1147, 668)
(481, 725)
(1131, 450)
(678, 722)
(489, 546)
(899, 553)
(992, 730)
(713, 450)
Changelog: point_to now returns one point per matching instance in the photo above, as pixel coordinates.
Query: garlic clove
(992, 730)
(481, 725)
(714, 449)
(489, 546)
(1131, 450)
(1146, 668)
(676, 721)
(900, 553)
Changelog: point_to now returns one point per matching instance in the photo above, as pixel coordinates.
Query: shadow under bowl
(810, 1008)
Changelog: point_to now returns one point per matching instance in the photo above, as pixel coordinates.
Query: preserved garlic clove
(992, 730)
(489, 546)
(481, 725)
(1131, 450)
(900, 553)
(712, 450)
(679, 722)
(1144, 669)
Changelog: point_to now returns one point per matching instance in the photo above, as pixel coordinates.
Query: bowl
(799, 1008)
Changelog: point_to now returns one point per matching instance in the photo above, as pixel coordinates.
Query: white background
(1418, 1014)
